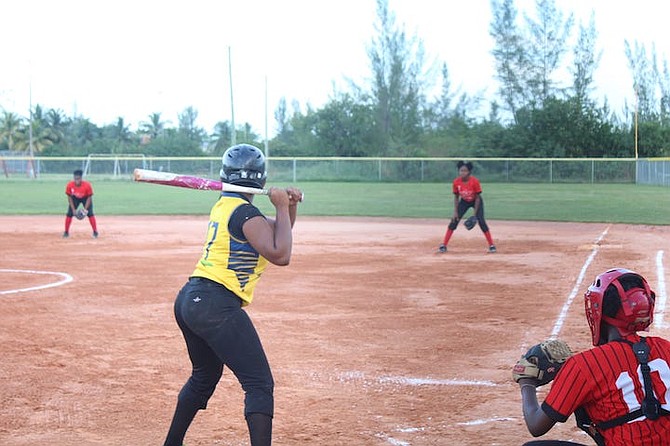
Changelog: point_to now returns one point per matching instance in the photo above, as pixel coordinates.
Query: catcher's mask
(244, 165)
(622, 298)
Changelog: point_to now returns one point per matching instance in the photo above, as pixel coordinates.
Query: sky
(104, 59)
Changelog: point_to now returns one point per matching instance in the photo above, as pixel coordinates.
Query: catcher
(467, 194)
(618, 390)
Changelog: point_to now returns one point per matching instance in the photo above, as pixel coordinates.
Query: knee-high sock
(68, 223)
(94, 224)
(447, 236)
(187, 406)
(260, 429)
(489, 239)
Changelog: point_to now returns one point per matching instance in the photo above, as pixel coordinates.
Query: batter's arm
(272, 238)
(295, 196)
(537, 422)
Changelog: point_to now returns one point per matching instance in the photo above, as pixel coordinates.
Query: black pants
(463, 207)
(218, 332)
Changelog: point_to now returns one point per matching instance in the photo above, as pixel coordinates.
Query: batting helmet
(244, 165)
(621, 298)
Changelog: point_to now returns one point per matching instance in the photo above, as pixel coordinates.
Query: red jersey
(84, 190)
(606, 380)
(467, 190)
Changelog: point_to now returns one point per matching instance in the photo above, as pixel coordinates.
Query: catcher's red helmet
(622, 298)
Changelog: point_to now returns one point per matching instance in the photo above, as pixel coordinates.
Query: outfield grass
(611, 203)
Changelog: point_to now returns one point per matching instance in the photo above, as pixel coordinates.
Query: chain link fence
(301, 169)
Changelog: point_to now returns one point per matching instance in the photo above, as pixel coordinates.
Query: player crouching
(618, 390)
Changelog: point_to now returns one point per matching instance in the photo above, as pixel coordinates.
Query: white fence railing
(298, 169)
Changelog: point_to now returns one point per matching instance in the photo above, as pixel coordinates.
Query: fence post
(380, 169)
(295, 169)
(593, 168)
(551, 172)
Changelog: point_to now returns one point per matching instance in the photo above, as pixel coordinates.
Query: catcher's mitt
(542, 361)
(81, 213)
(470, 222)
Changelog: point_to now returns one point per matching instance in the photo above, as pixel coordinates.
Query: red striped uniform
(606, 380)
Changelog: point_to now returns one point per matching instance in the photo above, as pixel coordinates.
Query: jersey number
(627, 386)
(214, 227)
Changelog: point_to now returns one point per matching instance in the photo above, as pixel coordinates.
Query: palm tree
(155, 127)
(10, 129)
(42, 137)
(56, 122)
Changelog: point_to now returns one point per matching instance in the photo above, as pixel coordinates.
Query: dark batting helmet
(621, 298)
(244, 165)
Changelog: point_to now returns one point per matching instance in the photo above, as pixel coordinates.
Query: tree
(344, 127)
(281, 116)
(644, 79)
(220, 138)
(452, 104)
(154, 127)
(547, 37)
(397, 88)
(10, 129)
(510, 59)
(37, 133)
(586, 61)
(187, 125)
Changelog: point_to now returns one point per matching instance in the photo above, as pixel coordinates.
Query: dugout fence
(652, 171)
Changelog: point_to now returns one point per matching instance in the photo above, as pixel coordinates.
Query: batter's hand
(295, 195)
(279, 197)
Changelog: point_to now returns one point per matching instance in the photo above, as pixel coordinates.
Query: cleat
(442, 249)
(95, 234)
(492, 249)
(66, 234)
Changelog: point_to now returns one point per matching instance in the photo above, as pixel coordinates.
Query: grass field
(612, 203)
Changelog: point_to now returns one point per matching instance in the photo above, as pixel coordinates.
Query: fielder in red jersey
(619, 390)
(467, 194)
(79, 193)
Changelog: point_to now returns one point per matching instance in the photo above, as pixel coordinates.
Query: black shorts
(77, 202)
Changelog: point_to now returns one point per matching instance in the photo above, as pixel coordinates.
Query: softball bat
(193, 182)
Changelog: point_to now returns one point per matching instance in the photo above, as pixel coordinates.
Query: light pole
(31, 167)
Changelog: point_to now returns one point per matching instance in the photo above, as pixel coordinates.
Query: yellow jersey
(226, 259)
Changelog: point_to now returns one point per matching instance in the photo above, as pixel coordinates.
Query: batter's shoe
(95, 234)
(492, 249)
(442, 249)
(66, 234)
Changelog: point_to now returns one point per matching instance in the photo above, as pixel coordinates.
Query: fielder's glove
(542, 361)
(470, 222)
(81, 213)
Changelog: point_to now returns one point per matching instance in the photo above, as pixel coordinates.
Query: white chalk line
(578, 283)
(65, 278)
(411, 381)
(433, 382)
(661, 293)
(485, 421)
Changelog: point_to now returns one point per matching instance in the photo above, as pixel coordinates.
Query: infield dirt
(372, 337)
